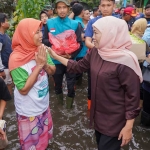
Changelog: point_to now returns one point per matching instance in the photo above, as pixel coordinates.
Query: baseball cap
(130, 11)
(64, 1)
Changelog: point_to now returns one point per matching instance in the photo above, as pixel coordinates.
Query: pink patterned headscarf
(115, 43)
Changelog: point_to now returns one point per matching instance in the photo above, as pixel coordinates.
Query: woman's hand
(41, 56)
(66, 56)
(125, 135)
(63, 60)
(52, 53)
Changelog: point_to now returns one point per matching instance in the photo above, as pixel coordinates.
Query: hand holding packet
(64, 43)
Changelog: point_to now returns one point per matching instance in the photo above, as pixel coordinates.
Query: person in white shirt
(29, 65)
(95, 13)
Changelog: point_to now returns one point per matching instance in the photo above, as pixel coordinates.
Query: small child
(4, 96)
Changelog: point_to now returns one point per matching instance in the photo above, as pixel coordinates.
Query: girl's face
(38, 37)
(44, 18)
(96, 37)
(122, 11)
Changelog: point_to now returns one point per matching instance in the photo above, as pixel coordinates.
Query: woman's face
(86, 15)
(122, 11)
(96, 37)
(38, 37)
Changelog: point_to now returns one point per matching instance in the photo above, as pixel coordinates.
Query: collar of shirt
(63, 19)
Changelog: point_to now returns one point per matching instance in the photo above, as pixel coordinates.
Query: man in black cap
(56, 26)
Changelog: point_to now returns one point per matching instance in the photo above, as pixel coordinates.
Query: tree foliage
(7, 6)
(26, 9)
(91, 3)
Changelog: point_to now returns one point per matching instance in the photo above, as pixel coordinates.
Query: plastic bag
(64, 43)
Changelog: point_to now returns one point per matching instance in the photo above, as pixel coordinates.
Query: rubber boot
(69, 102)
(89, 104)
(145, 118)
(60, 99)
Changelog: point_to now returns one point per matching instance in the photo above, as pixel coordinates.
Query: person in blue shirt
(147, 13)
(56, 26)
(139, 14)
(78, 11)
(95, 12)
(5, 49)
(107, 8)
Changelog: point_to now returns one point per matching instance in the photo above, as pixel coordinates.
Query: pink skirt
(35, 132)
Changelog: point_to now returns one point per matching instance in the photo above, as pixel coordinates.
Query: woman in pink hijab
(115, 86)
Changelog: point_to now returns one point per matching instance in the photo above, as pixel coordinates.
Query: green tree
(91, 3)
(121, 2)
(7, 6)
(26, 9)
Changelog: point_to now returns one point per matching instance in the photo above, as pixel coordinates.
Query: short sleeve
(1, 64)
(49, 60)
(19, 77)
(1, 43)
(4, 93)
(89, 30)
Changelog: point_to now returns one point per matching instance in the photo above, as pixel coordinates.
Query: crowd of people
(100, 45)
